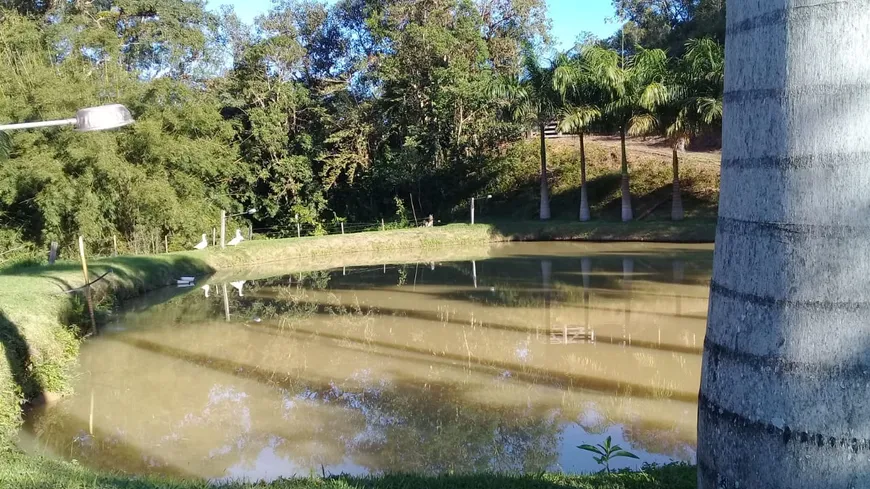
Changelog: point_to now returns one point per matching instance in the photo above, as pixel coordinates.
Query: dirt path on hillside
(651, 146)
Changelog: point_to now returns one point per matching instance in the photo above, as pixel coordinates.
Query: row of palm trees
(646, 93)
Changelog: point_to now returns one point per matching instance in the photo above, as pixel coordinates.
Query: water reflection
(505, 364)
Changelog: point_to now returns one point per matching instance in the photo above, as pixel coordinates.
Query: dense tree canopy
(321, 111)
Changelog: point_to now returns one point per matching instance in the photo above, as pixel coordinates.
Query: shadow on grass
(18, 358)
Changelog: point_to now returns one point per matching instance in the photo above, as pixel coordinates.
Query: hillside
(515, 186)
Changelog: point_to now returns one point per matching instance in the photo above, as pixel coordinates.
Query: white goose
(239, 286)
(237, 239)
(207, 289)
(202, 244)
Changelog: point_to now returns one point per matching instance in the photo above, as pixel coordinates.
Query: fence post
(472, 210)
(250, 231)
(223, 229)
(166, 243)
(115, 245)
(383, 228)
(213, 236)
(342, 228)
(52, 253)
(298, 229)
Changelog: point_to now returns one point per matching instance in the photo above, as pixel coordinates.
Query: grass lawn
(26, 472)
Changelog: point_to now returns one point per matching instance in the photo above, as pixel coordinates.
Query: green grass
(27, 472)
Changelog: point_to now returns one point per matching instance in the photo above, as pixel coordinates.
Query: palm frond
(643, 125)
(575, 119)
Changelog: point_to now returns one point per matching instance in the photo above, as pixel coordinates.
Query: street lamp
(86, 120)
(224, 216)
(488, 196)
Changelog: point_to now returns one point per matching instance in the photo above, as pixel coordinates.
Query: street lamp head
(102, 117)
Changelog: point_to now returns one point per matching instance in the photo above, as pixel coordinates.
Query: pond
(506, 363)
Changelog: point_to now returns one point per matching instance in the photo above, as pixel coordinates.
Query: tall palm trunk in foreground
(786, 370)
(677, 200)
(625, 189)
(584, 197)
(545, 191)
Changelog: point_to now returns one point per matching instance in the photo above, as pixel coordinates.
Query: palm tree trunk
(677, 201)
(584, 198)
(786, 369)
(626, 191)
(545, 191)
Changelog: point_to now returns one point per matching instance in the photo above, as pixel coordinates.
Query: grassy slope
(24, 472)
(516, 190)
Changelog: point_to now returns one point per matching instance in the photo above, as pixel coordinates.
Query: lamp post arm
(31, 125)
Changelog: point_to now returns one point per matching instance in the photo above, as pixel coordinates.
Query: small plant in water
(606, 453)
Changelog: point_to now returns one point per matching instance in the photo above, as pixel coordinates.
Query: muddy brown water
(505, 364)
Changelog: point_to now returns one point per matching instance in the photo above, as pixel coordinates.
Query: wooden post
(213, 236)
(52, 253)
(87, 284)
(114, 245)
(298, 230)
(414, 210)
(250, 231)
(472, 210)
(166, 243)
(383, 227)
(342, 228)
(474, 272)
(223, 229)
(84, 260)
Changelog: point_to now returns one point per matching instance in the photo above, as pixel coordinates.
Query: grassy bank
(26, 472)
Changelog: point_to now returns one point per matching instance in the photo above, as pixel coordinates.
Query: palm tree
(693, 104)
(783, 397)
(579, 93)
(633, 91)
(532, 99)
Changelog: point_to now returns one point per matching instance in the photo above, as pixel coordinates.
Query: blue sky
(570, 17)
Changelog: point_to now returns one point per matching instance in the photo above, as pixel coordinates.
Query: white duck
(238, 238)
(207, 289)
(202, 244)
(239, 286)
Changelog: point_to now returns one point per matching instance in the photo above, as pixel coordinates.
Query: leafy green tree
(533, 98)
(634, 88)
(581, 97)
(692, 105)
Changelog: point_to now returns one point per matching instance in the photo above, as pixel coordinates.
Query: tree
(691, 105)
(633, 90)
(783, 389)
(668, 24)
(580, 95)
(533, 99)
